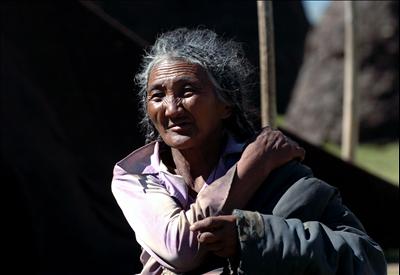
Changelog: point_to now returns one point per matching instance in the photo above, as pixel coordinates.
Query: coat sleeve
(309, 231)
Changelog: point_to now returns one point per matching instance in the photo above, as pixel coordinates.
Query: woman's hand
(218, 235)
(268, 151)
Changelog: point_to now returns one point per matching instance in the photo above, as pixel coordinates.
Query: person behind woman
(187, 193)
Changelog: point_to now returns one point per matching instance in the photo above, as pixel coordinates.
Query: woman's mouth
(176, 127)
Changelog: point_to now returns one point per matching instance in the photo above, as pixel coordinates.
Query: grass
(381, 160)
(393, 269)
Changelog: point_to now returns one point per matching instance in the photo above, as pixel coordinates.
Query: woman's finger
(207, 224)
(207, 237)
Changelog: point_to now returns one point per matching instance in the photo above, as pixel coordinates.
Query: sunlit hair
(224, 61)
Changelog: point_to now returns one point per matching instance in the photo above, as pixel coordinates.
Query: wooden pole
(350, 94)
(267, 63)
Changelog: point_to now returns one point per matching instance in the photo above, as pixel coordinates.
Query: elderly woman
(182, 193)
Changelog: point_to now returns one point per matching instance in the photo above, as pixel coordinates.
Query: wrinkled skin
(270, 149)
(183, 106)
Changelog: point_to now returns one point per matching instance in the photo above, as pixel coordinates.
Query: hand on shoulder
(269, 150)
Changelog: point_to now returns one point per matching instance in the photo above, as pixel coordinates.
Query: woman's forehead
(176, 70)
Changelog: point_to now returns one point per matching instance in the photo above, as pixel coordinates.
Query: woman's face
(183, 106)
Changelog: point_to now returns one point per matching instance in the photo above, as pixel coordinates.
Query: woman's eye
(156, 96)
(188, 92)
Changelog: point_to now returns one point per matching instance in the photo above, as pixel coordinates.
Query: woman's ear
(227, 111)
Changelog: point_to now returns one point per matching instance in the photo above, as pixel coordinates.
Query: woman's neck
(196, 164)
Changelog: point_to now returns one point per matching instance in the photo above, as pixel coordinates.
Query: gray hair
(224, 61)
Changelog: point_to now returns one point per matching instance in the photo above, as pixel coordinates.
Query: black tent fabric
(67, 113)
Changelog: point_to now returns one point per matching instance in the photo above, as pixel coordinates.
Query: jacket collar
(146, 159)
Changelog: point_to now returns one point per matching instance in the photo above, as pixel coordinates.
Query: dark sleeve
(309, 231)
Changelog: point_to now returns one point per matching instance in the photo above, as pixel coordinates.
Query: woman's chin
(179, 142)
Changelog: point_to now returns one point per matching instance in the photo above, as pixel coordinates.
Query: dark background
(69, 113)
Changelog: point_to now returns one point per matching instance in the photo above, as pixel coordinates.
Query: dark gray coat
(302, 227)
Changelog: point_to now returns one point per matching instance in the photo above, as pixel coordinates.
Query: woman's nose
(172, 106)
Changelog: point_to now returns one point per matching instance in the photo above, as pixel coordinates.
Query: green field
(381, 160)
